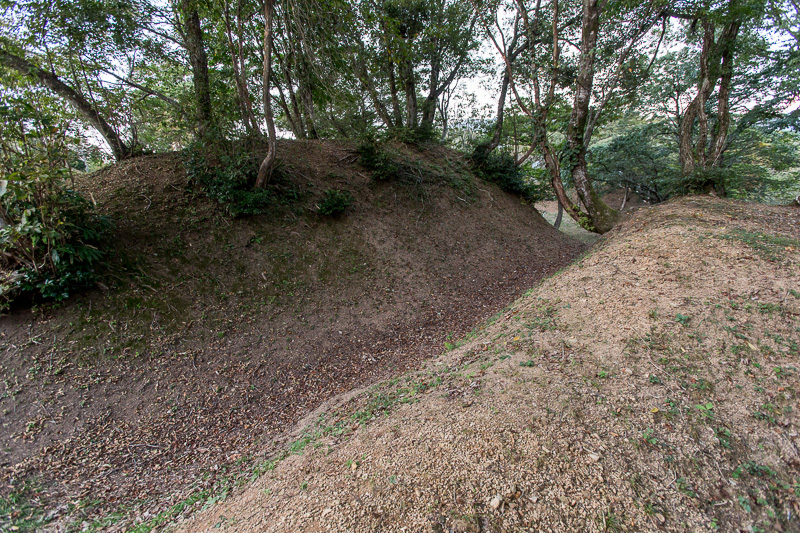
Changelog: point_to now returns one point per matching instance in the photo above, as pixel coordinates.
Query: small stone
(353, 466)
(594, 457)
(326, 512)
(495, 502)
(660, 518)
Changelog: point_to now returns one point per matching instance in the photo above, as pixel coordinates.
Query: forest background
(660, 98)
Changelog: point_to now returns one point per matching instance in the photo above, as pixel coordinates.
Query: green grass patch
(769, 247)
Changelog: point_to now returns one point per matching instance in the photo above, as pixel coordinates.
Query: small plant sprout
(707, 410)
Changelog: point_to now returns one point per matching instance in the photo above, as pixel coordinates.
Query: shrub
(501, 169)
(227, 174)
(419, 135)
(334, 202)
(373, 157)
(50, 237)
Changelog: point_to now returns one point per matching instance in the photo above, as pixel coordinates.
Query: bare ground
(159, 391)
(650, 386)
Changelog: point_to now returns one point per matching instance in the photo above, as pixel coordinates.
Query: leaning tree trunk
(410, 86)
(265, 170)
(240, 68)
(602, 216)
(89, 112)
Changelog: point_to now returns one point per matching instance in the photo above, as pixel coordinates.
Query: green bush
(374, 157)
(227, 174)
(334, 202)
(50, 239)
(501, 169)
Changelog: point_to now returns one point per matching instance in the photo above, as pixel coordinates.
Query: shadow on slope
(651, 385)
(216, 334)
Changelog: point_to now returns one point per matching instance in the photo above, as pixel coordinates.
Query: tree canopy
(707, 81)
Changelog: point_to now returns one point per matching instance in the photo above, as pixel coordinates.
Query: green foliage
(634, 155)
(334, 202)
(50, 236)
(418, 135)
(227, 173)
(374, 157)
(501, 169)
(18, 512)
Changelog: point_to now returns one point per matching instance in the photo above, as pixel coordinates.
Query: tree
(414, 49)
(591, 76)
(239, 64)
(729, 79)
(635, 154)
(265, 169)
(192, 35)
(49, 80)
(698, 153)
(64, 47)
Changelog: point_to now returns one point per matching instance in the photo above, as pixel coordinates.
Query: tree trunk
(294, 116)
(265, 170)
(428, 112)
(251, 116)
(368, 85)
(429, 104)
(288, 113)
(716, 64)
(554, 168)
(397, 113)
(723, 98)
(239, 68)
(559, 216)
(410, 86)
(602, 216)
(494, 142)
(193, 35)
(310, 114)
(48, 79)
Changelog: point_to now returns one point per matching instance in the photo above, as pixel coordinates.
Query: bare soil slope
(213, 335)
(650, 386)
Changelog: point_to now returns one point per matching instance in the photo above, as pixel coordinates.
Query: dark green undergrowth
(386, 166)
(226, 172)
(51, 238)
(334, 202)
(501, 169)
(430, 164)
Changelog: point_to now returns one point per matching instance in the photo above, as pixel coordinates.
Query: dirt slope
(651, 386)
(213, 335)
